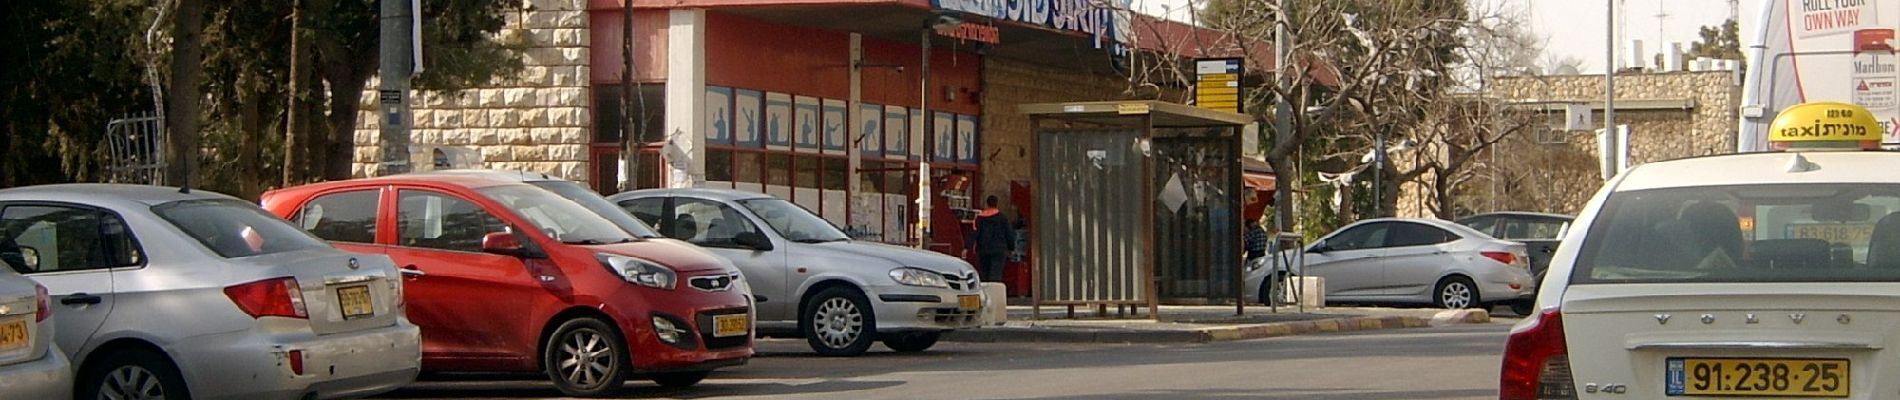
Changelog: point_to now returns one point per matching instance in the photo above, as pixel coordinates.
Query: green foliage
(72, 66)
(1721, 42)
(76, 64)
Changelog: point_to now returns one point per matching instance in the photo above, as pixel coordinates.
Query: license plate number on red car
(730, 325)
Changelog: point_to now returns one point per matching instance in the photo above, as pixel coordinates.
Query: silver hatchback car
(811, 280)
(161, 293)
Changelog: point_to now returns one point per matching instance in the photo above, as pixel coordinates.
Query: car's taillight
(1537, 362)
(44, 303)
(277, 297)
(1502, 256)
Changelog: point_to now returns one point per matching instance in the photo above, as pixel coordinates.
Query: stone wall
(1566, 174)
(1709, 127)
(1006, 151)
(537, 121)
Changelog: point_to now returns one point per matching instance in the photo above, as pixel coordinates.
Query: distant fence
(135, 147)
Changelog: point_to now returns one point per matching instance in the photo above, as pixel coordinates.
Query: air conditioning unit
(433, 157)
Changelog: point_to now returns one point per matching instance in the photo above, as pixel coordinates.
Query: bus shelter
(1137, 202)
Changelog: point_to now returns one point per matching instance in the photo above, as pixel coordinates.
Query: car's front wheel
(912, 342)
(132, 374)
(839, 323)
(1456, 292)
(587, 358)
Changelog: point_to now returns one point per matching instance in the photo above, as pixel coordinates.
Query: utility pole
(1282, 120)
(1609, 86)
(631, 135)
(393, 94)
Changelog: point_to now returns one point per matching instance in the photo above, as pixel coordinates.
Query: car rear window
(236, 229)
(1751, 233)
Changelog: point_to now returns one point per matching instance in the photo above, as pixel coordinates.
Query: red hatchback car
(506, 277)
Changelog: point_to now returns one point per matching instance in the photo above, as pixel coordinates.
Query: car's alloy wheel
(1456, 293)
(137, 375)
(586, 358)
(132, 382)
(839, 322)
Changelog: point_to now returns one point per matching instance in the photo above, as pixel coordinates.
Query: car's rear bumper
(50, 377)
(252, 365)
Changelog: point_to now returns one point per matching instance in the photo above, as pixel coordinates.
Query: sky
(1574, 28)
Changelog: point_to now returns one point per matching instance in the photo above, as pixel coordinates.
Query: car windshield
(558, 217)
(1752, 233)
(599, 205)
(235, 229)
(793, 222)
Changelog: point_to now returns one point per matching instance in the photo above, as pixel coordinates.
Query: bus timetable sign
(1217, 84)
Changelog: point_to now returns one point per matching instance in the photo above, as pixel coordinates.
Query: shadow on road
(521, 389)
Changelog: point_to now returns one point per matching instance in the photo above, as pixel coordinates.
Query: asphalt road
(1456, 362)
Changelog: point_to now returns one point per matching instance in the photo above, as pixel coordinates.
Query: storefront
(827, 103)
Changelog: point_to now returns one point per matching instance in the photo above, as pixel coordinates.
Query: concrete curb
(1044, 334)
(1465, 316)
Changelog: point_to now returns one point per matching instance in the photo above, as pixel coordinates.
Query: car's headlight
(918, 277)
(640, 272)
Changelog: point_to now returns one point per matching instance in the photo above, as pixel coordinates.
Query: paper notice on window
(1173, 194)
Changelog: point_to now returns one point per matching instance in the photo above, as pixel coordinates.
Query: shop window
(719, 165)
(870, 180)
(897, 178)
(778, 169)
(608, 119)
(834, 173)
(805, 171)
(745, 167)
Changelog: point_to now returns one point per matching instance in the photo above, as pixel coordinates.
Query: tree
(1355, 66)
(69, 71)
(460, 48)
(1721, 42)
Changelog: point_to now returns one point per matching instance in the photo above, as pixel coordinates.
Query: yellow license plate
(969, 302)
(730, 325)
(1772, 377)
(13, 335)
(355, 302)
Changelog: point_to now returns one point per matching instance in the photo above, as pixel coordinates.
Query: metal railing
(135, 150)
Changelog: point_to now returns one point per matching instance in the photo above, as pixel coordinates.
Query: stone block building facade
(1670, 115)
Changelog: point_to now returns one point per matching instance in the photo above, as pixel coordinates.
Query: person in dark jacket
(992, 241)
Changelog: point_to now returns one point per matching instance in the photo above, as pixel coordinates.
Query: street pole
(1609, 86)
(923, 108)
(393, 93)
(632, 137)
(1378, 175)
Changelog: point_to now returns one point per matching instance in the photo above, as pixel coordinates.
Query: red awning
(1259, 182)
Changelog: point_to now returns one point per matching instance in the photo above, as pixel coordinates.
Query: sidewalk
(1201, 324)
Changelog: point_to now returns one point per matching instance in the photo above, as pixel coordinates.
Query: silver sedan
(31, 367)
(1420, 261)
(161, 293)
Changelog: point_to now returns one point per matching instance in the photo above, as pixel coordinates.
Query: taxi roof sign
(1825, 124)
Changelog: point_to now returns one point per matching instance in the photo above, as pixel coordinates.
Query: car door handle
(410, 271)
(81, 298)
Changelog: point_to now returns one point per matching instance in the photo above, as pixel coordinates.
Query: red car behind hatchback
(506, 277)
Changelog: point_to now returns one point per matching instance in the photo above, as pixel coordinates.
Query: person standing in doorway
(992, 241)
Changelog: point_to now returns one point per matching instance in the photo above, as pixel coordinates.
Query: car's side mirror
(752, 240)
(503, 243)
(1319, 248)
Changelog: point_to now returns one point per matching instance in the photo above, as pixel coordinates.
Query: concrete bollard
(995, 304)
(1312, 290)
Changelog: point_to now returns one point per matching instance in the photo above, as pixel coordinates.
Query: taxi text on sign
(1217, 84)
(1825, 121)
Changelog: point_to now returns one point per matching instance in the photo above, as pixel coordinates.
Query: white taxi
(1761, 275)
